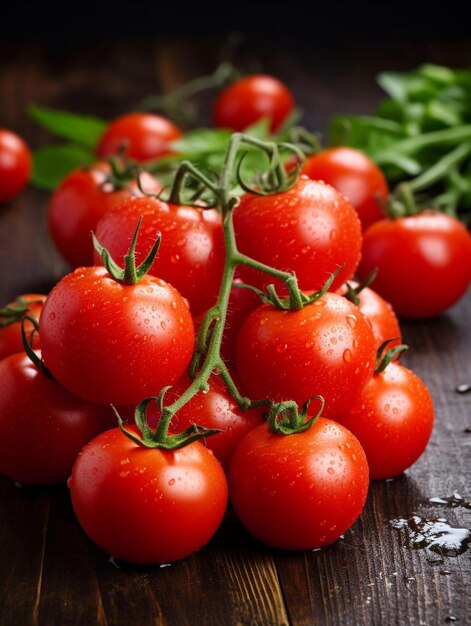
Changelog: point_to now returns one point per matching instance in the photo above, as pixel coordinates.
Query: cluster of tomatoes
(121, 327)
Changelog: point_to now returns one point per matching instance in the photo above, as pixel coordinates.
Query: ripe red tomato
(354, 175)
(42, 426)
(146, 136)
(147, 505)
(383, 320)
(326, 348)
(191, 254)
(215, 409)
(15, 164)
(10, 327)
(424, 262)
(310, 229)
(249, 99)
(80, 201)
(393, 420)
(109, 342)
(301, 491)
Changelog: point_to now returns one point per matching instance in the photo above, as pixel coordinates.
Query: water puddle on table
(438, 535)
(452, 502)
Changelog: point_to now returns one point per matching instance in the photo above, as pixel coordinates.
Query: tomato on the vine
(326, 348)
(215, 408)
(15, 164)
(147, 505)
(248, 99)
(82, 198)
(144, 136)
(354, 175)
(393, 420)
(10, 322)
(299, 491)
(110, 342)
(191, 255)
(311, 230)
(423, 261)
(42, 426)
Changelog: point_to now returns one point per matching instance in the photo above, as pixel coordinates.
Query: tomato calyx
(130, 274)
(352, 293)
(159, 438)
(286, 418)
(15, 311)
(385, 356)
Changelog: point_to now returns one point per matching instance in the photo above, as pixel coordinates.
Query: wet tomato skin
(393, 420)
(301, 491)
(147, 505)
(15, 164)
(42, 426)
(325, 348)
(109, 342)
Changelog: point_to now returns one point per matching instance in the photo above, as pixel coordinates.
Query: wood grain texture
(50, 573)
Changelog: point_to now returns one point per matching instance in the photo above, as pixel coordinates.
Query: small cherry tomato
(249, 99)
(147, 505)
(42, 426)
(15, 164)
(326, 348)
(10, 322)
(299, 491)
(310, 229)
(354, 175)
(79, 202)
(392, 419)
(109, 342)
(146, 136)
(423, 261)
(191, 255)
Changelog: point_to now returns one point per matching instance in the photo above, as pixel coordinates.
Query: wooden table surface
(50, 573)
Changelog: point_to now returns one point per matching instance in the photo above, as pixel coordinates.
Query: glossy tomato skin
(247, 100)
(113, 343)
(354, 175)
(78, 204)
(42, 426)
(146, 135)
(15, 164)
(424, 262)
(383, 320)
(393, 420)
(147, 505)
(310, 229)
(10, 334)
(191, 254)
(215, 409)
(302, 491)
(327, 348)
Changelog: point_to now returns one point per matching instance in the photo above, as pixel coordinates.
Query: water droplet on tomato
(124, 474)
(347, 356)
(282, 347)
(333, 234)
(351, 320)
(330, 470)
(163, 325)
(171, 482)
(174, 305)
(52, 316)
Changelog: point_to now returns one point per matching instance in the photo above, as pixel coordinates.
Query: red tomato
(80, 201)
(354, 175)
(326, 348)
(214, 409)
(146, 135)
(393, 420)
(109, 342)
(302, 491)
(310, 229)
(10, 328)
(249, 99)
(191, 255)
(383, 320)
(424, 262)
(147, 505)
(42, 426)
(15, 164)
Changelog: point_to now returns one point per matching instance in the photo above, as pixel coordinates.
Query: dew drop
(347, 356)
(163, 325)
(330, 470)
(174, 305)
(171, 482)
(351, 320)
(124, 473)
(282, 347)
(52, 316)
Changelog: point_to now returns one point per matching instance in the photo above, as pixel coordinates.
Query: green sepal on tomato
(147, 505)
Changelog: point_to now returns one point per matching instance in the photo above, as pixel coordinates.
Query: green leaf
(201, 141)
(52, 163)
(395, 84)
(82, 129)
(260, 129)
